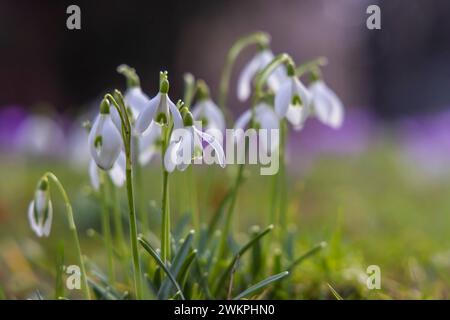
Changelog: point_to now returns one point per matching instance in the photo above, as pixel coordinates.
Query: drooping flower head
(256, 64)
(160, 109)
(264, 118)
(292, 100)
(105, 141)
(326, 105)
(40, 210)
(206, 111)
(186, 145)
(116, 173)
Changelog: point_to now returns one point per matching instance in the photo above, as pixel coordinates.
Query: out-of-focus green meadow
(371, 209)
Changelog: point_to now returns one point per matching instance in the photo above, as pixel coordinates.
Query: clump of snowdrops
(204, 262)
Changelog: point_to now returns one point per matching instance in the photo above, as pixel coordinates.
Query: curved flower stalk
(40, 214)
(326, 105)
(206, 111)
(40, 210)
(256, 64)
(186, 145)
(104, 139)
(264, 118)
(160, 109)
(292, 101)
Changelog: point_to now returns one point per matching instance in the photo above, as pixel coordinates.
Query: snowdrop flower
(256, 64)
(265, 118)
(326, 105)
(149, 143)
(159, 109)
(105, 141)
(207, 111)
(40, 210)
(292, 100)
(116, 173)
(186, 145)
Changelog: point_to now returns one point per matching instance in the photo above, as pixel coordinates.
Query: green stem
(228, 217)
(133, 230)
(310, 66)
(165, 225)
(106, 227)
(260, 38)
(117, 216)
(262, 76)
(192, 192)
(73, 229)
(142, 210)
(282, 180)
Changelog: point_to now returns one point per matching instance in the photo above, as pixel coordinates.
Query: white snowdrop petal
(283, 98)
(117, 174)
(31, 218)
(137, 100)
(297, 116)
(148, 113)
(220, 155)
(176, 115)
(147, 143)
(110, 147)
(247, 74)
(214, 116)
(327, 106)
(301, 90)
(46, 227)
(243, 120)
(171, 156)
(268, 120)
(94, 175)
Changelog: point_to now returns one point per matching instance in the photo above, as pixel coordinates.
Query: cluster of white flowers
(291, 100)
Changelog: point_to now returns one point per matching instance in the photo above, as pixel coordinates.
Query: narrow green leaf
(144, 243)
(178, 261)
(334, 292)
(248, 245)
(101, 292)
(307, 254)
(260, 285)
(184, 271)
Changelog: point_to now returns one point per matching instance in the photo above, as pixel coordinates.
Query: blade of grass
(144, 243)
(334, 292)
(248, 245)
(184, 271)
(307, 254)
(178, 261)
(262, 284)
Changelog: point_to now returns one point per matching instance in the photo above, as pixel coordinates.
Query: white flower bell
(116, 173)
(265, 118)
(292, 100)
(105, 141)
(40, 210)
(256, 64)
(186, 145)
(207, 111)
(326, 105)
(160, 109)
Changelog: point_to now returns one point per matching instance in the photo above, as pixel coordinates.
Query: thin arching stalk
(73, 229)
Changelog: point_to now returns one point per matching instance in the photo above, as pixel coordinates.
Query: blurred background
(386, 170)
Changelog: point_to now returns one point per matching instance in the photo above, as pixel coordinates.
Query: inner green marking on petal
(161, 118)
(198, 152)
(204, 121)
(98, 141)
(296, 100)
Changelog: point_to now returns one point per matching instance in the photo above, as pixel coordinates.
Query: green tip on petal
(164, 86)
(43, 184)
(290, 69)
(104, 106)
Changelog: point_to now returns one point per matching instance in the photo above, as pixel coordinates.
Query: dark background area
(402, 69)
